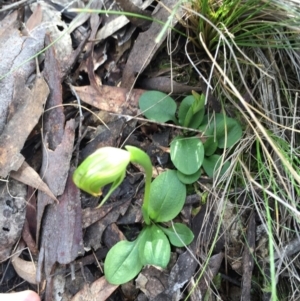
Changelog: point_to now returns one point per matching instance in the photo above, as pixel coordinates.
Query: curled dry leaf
(100, 290)
(25, 269)
(30, 177)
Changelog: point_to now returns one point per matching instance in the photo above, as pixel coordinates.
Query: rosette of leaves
(163, 200)
(192, 153)
(152, 246)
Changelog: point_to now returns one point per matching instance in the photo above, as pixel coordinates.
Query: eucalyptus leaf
(167, 197)
(122, 262)
(158, 106)
(154, 248)
(212, 164)
(187, 154)
(180, 235)
(189, 179)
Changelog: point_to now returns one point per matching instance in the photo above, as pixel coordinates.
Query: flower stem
(140, 157)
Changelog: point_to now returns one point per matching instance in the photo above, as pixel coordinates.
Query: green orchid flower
(105, 166)
(108, 165)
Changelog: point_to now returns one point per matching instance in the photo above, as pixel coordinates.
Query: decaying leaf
(110, 99)
(27, 175)
(15, 67)
(25, 269)
(99, 290)
(145, 46)
(21, 124)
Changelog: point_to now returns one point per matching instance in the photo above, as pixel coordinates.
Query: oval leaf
(212, 164)
(122, 262)
(191, 112)
(210, 146)
(180, 235)
(158, 106)
(189, 179)
(184, 107)
(154, 248)
(227, 131)
(187, 154)
(167, 197)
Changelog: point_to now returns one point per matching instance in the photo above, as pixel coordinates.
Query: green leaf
(212, 164)
(122, 262)
(227, 131)
(191, 111)
(210, 146)
(187, 154)
(154, 247)
(167, 197)
(158, 106)
(199, 101)
(189, 179)
(180, 235)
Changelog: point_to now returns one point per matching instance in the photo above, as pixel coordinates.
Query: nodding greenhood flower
(105, 166)
(108, 165)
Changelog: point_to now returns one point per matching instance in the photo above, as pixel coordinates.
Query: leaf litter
(65, 235)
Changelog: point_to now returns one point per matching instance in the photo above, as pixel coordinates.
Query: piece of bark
(55, 169)
(29, 229)
(95, 21)
(145, 47)
(106, 137)
(211, 271)
(12, 215)
(61, 239)
(93, 234)
(248, 260)
(21, 124)
(152, 281)
(110, 99)
(204, 228)
(180, 274)
(93, 215)
(112, 235)
(54, 119)
(128, 6)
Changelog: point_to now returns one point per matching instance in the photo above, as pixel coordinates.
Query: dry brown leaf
(25, 269)
(21, 124)
(99, 290)
(30, 177)
(145, 46)
(16, 67)
(110, 99)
